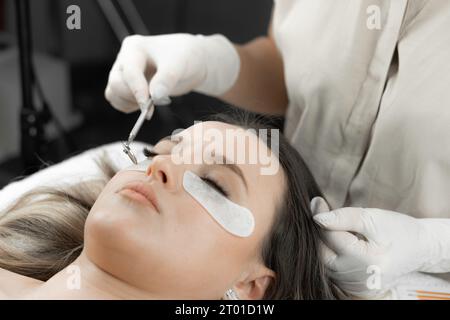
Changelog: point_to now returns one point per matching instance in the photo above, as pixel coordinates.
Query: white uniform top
(369, 109)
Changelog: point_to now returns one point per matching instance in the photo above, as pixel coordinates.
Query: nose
(162, 169)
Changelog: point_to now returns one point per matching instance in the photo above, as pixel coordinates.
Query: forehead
(225, 134)
(238, 145)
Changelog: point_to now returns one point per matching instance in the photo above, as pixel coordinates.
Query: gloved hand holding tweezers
(146, 114)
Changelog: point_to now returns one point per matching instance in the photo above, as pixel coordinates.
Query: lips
(144, 189)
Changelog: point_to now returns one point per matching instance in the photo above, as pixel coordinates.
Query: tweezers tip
(127, 150)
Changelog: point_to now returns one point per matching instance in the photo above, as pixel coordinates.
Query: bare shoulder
(5, 279)
(3, 295)
(13, 285)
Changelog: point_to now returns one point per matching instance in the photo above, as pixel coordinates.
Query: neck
(82, 279)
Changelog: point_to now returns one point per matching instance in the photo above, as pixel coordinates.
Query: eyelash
(149, 153)
(215, 185)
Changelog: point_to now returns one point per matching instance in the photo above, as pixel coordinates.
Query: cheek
(197, 254)
(195, 238)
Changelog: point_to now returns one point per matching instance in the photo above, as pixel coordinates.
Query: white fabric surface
(75, 169)
(417, 281)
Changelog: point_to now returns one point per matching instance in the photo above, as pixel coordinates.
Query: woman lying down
(165, 230)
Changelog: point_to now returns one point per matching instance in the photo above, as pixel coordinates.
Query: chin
(110, 243)
(110, 228)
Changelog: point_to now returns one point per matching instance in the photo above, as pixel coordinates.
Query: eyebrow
(231, 166)
(167, 138)
(235, 168)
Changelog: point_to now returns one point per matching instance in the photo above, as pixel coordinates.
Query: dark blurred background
(72, 66)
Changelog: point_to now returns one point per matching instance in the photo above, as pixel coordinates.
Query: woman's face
(175, 248)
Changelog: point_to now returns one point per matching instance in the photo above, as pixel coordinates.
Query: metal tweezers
(146, 114)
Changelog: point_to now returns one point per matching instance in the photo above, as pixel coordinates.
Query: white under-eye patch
(232, 217)
(140, 166)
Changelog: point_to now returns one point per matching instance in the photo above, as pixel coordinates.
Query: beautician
(365, 89)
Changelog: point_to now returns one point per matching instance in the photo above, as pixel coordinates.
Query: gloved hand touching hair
(367, 250)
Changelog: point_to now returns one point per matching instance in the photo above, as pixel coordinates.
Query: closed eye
(149, 153)
(216, 186)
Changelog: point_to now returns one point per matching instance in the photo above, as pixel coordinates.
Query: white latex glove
(394, 245)
(174, 64)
